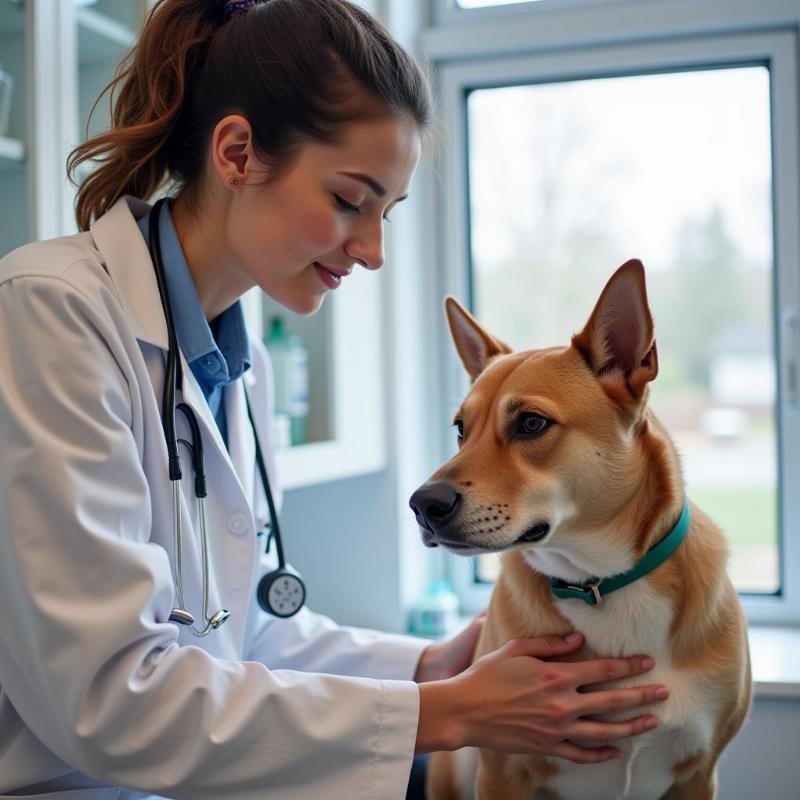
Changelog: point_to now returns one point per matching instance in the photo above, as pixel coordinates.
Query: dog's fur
(606, 479)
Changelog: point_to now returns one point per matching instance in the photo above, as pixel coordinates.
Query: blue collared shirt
(218, 353)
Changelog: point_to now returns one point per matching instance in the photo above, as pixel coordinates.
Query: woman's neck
(206, 255)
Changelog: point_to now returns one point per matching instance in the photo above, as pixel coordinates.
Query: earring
(235, 181)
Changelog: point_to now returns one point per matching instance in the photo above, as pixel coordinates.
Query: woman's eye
(533, 424)
(459, 425)
(345, 206)
(351, 209)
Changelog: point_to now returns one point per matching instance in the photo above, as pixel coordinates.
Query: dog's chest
(636, 621)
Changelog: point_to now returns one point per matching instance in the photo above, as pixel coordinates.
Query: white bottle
(6, 87)
(290, 367)
(436, 613)
(298, 390)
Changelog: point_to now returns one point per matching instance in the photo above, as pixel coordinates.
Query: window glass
(569, 180)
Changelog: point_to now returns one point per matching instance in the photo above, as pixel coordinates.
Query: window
(562, 165)
(484, 3)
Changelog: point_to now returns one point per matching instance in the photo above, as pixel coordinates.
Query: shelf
(12, 153)
(319, 462)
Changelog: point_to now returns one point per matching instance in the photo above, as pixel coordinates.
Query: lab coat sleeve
(87, 654)
(314, 643)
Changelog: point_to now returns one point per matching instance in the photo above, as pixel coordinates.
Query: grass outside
(747, 516)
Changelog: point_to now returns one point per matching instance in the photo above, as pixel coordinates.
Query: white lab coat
(94, 679)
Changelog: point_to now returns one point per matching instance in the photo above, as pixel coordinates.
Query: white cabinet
(14, 220)
(61, 55)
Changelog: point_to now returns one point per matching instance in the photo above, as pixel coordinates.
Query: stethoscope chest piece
(281, 592)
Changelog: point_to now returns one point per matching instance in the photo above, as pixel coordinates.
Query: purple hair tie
(233, 8)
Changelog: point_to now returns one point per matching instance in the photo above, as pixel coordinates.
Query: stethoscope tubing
(173, 382)
(275, 531)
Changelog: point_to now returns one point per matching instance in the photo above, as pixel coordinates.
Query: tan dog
(564, 468)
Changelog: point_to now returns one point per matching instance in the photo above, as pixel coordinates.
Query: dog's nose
(434, 504)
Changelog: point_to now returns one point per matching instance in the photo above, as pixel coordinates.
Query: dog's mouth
(534, 534)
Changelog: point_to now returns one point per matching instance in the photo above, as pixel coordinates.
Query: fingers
(605, 732)
(609, 669)
(606, 701)
(582, 755)
(543, 646)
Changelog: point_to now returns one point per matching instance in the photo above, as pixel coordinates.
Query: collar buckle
(588, 592)
(595, 598)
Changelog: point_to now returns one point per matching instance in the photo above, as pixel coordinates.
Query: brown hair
(295, 69)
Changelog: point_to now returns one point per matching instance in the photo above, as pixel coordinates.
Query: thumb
(544, 646)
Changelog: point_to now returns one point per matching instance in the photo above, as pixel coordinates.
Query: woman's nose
(366, 246)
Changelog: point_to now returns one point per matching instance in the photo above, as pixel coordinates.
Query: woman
(288, 130)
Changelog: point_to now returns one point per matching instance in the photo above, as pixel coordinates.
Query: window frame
(448, 11)
(733, 33)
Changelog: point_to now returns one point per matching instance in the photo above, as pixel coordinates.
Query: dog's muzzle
(435, 505)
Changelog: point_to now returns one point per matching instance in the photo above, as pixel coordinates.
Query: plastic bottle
(6, 87)
(298, 395)
(436, 613)
(290, 366)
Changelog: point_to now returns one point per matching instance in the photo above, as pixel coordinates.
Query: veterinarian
(152, 636)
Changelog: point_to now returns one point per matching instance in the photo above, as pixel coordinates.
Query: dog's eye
(533, 424)
(459, 425)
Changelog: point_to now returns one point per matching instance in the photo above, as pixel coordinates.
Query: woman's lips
(330, 279)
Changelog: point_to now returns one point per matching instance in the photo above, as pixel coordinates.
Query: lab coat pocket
(109, 793)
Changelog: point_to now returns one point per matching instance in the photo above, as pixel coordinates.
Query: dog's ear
(618, 341)
(474, 344)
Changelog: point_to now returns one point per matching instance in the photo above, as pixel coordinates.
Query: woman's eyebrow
(372, 183)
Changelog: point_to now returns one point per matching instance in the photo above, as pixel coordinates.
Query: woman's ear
(618, 341)
(475, 346)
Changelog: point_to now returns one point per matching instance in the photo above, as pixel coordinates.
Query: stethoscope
(280, 592)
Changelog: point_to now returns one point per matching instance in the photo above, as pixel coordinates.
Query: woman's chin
(307, 305)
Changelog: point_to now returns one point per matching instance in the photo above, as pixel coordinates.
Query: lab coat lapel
(127, 260)
(240, 437)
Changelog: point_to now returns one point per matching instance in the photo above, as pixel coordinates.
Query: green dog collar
(595, 591)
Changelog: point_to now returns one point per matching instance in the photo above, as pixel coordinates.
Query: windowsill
(774, 655)
(775, 659)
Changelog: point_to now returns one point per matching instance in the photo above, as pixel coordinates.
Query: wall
(343, 538)
(763, 761)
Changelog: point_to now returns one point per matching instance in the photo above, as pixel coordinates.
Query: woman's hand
(513, 701)
(443, 660)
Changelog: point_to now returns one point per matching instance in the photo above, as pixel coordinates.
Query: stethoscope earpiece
(181, 616)
(283, 589)
(218, 618)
